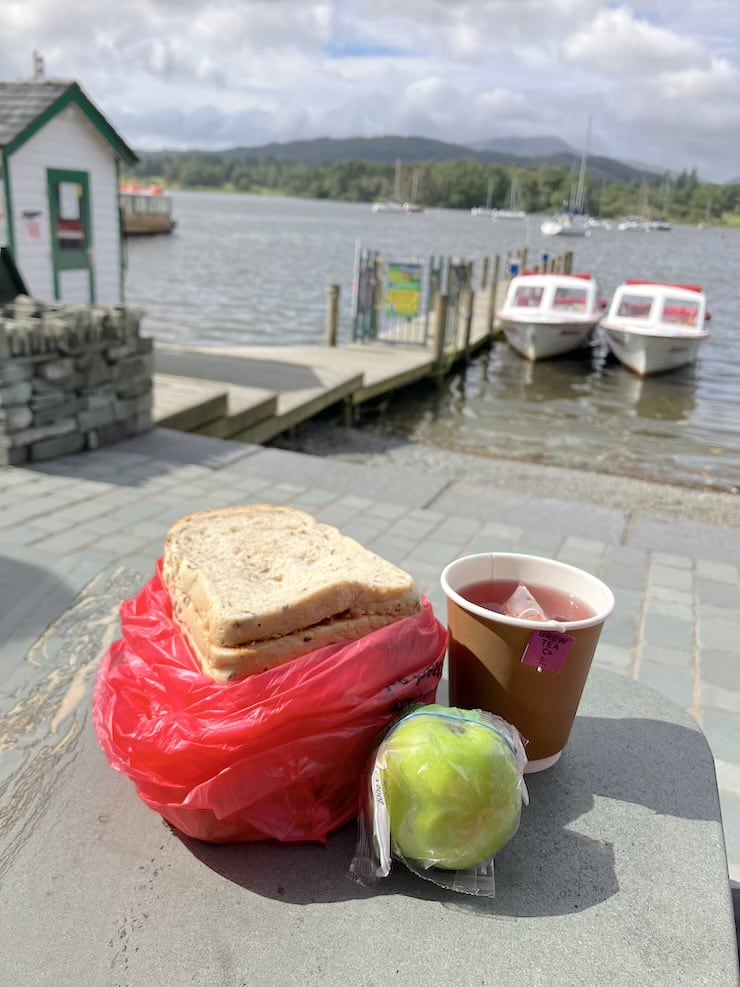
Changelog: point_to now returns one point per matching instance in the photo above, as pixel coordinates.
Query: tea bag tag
(547, 650)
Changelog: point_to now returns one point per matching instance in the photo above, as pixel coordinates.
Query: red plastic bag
(277, 755)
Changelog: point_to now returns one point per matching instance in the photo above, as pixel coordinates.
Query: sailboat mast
(581, 187)
(397, 181)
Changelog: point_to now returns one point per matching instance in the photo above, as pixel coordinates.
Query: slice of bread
(228, 664)
(256, 585)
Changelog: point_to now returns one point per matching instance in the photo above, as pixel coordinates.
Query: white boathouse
(60, 165)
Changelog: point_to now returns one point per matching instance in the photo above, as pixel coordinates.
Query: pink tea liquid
(557, 604)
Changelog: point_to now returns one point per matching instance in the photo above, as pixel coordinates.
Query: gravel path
(374, 445)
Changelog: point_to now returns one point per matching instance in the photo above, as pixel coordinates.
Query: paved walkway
(676, 626)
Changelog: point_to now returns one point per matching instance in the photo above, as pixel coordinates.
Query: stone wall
(72, 377)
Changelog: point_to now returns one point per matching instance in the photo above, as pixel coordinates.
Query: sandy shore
(373, 445)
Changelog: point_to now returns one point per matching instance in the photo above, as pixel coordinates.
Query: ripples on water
(254, 270)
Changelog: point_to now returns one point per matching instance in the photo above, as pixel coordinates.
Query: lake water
(254, 270)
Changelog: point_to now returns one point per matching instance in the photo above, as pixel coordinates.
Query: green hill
(417, 150)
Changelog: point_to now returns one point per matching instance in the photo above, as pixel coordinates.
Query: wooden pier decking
(255, 393)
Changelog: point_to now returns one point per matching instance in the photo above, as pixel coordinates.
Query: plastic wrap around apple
(453, 785)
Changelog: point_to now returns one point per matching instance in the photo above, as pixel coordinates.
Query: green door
(71, 232)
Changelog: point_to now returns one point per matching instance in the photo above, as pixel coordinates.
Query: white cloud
(661, 82)
(618, 44)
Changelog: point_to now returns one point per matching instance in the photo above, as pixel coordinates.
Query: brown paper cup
(531, 673)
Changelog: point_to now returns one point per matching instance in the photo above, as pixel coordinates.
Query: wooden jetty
(255, 393)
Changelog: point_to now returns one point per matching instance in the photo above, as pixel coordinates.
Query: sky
(660, 79)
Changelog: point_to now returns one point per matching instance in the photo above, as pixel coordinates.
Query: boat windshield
(527, 296)
(681, 312)
(634, 306)
(573, 299)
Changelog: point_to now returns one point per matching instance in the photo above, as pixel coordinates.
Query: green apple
(452, 785)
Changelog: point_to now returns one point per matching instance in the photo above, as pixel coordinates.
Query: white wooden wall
(68, 141)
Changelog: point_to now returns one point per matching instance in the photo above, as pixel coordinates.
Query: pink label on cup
(547, 650)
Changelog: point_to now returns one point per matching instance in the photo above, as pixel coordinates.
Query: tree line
(462, 184)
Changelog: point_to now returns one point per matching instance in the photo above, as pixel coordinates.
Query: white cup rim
(600, 588)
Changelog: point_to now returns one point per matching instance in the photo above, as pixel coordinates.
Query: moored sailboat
(572, 220)
(514, 210)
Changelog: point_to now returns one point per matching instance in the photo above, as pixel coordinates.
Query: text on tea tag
(547, 650)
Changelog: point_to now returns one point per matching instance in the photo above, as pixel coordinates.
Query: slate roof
(21, 103)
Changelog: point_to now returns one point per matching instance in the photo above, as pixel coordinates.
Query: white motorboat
(545, 315)
(653, 327)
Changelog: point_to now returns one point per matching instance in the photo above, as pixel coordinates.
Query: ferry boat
(546, 315)
(145, 210)
(653, 327)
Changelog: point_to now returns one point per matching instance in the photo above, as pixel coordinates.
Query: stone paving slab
(675, 626)
(711, 543)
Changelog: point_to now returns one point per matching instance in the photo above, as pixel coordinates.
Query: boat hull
(541, 340)
(554, 227)
(147, 224)
(392, 207)
(509, 214)
(646, 353)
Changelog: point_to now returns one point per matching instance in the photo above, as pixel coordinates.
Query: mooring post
(484, 273)
(440, 325)
(568, 262)
(492, 296)
(467, 301)
(332, 314)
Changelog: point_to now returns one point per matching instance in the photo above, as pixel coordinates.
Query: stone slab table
(617, 874)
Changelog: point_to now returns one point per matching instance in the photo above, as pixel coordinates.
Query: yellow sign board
(403, 290)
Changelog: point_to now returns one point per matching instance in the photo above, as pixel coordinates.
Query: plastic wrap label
(547, 651)
(381, 820)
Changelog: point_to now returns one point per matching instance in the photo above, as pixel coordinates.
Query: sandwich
(256, 586)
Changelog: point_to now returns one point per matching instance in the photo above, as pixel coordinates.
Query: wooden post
(484, 273)
(332, 314)
(523, 260)
(467, 300)
(440, 325)
(492, 296)
(568, 267)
